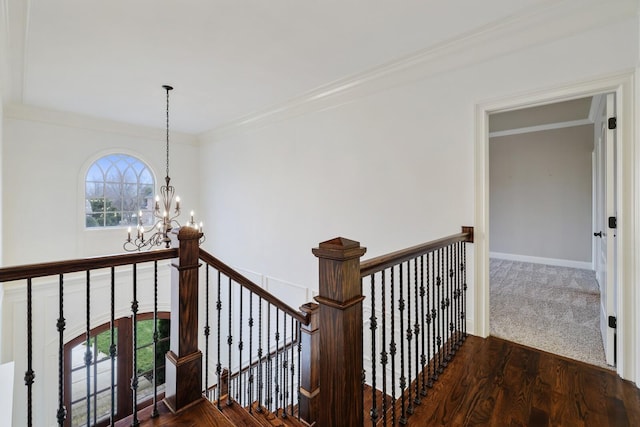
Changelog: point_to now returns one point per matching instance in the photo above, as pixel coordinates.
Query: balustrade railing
(100, 279)
(252, 341)
(259, 352)
(255, 346)
(416, 301)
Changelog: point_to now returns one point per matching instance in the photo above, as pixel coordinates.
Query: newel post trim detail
(340, 329)
(184, 360)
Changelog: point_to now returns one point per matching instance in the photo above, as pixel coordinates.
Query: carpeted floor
(555, 309)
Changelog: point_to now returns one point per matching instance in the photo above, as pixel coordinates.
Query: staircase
(205, 413)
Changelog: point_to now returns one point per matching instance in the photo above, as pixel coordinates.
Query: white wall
(389, 163)
(45, 158)
(540, 194)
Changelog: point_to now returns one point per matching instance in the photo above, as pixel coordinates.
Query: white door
(605, 221)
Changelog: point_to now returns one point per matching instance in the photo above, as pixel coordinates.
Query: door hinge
(612, 123)
(613, 222)
(613, 322)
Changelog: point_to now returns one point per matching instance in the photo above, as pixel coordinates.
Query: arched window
(90, 395)
(117, 188)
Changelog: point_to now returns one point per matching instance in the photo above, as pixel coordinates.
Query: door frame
(628, 347)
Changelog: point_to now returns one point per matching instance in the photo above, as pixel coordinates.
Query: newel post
(310, 365)
(184, 359)
(340, 326)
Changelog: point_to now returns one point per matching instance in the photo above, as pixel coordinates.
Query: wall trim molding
(583, 265)
(559, 18)
(79, 121)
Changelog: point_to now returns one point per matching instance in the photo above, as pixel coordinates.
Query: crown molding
(79, 121)
(14, 32)
(558, 18)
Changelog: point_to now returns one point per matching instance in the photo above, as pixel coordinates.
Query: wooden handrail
(251, 286)
(374, 265)
(30, 271)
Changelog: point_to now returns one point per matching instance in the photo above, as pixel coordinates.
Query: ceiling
(225, 58)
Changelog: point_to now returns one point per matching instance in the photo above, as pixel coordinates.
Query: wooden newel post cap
(189, 233)
(339, 248)
(183, 234)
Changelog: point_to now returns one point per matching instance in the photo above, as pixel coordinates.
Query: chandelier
(164, 214)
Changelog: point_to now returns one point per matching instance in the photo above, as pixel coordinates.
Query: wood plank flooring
(201, 414)
(492, 382)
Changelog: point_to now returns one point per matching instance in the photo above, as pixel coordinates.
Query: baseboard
(540, 260)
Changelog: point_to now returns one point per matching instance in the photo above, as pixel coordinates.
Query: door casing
(628, 160)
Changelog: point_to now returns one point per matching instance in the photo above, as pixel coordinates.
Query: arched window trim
(83, 182)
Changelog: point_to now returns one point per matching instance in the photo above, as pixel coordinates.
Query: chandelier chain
(167, 88)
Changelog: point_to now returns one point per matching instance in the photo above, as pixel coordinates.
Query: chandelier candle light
(164, 215)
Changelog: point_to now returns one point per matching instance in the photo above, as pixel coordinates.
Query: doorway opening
(549, 179)
(626, 270)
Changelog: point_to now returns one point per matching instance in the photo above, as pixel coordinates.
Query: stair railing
(258, 350)
(88, 276)
(416, 302)
(255, 345)
(263, 354)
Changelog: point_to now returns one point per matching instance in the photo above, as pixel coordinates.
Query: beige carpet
(555, 309)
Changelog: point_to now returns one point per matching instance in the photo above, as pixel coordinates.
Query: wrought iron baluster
(403, 378)
(87, 354)
(447, 302)
(251, 367)
(277, 370)
(459, 290)
(423, 358)
(410, 408)
(373, 326)
(61, 415)
(292, 368)
(229, 344)
(94, 366)
(299, 364)
(207, 332)
(464, 292)
(260, 366)
(134, 327)
(112, 347)
(392, 349)
(434, 314)
(284, 367)
(416, 333)
(452, 285)
(429, 320)
(240, 348)
(154, 412)
(29, 375)
(441, 303)
(219, 344)
(384, 359)
(268, 398)
(454, 300)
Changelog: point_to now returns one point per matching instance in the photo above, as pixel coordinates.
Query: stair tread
(202, 413)
(269, 419)
(238, 415)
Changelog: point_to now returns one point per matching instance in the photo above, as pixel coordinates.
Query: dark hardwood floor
(492, 382)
